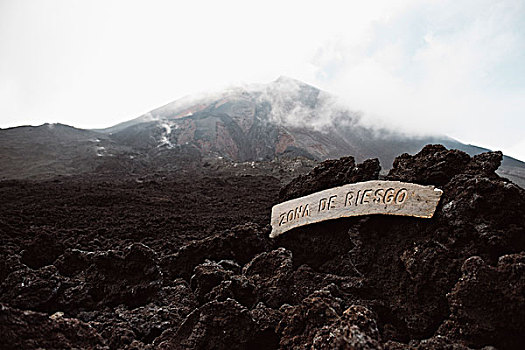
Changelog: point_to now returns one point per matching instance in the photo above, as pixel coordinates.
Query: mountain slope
(50, 150)
(261, 122)
(283, 119)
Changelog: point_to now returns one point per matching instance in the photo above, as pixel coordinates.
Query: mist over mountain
(261, 122)
(153, 233)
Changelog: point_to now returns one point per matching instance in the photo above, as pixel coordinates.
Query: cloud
(452, 67)
(437, 67)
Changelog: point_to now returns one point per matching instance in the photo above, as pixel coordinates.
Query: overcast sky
(449, 67)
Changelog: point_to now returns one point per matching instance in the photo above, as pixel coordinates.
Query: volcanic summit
(282, 119)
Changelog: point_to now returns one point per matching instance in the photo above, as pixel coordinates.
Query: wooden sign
(363, 198)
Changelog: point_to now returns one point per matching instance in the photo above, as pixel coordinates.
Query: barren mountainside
(282, 119)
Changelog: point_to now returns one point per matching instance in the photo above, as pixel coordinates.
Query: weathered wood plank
(363, 198)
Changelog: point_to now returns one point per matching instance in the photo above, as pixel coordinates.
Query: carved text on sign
(363, 198)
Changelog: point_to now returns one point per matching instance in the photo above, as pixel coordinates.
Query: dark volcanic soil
(183, 261)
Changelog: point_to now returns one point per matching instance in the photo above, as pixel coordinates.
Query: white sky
(451, 67)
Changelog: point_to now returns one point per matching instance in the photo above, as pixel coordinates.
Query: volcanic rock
(454, 281)
(239, 244)
(35, 330)
(328, 174)
(215, 325)
(488, 303)
(301, 323)
(271, 272)
(36, 290)
(355, 329)
(410, 265)
(42, 250)
(205, 277)
(239, 288)
(132, 278)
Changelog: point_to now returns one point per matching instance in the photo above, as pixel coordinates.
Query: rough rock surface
(328, 174)
(35, 330)
(456, 281)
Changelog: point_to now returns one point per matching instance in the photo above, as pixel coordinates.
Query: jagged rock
(239, 244)
(149, 321)
(435, 343)
(454, 281)
(239, 288)
(485, 164)
(36, 290)
(408, 264)
(210, 281)
(329, 240)
(355, 329)
(215, 325)
(42, 250)
(231, 265)
(433, 165)
(488, 303)
(343, 336)
(108, 278)
(486, 214)
(9, 262)
(271, 272)
(363, 318)
(328, 174)
(118, 337)
(122, 326)
(205, 277)
(73, 262)
(300, 323)
(34, 330)
(306, 281)
(132, 278)
(266, 321)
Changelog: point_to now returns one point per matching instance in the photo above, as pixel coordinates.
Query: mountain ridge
(257, 122)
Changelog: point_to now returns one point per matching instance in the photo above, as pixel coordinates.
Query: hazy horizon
(448, 67)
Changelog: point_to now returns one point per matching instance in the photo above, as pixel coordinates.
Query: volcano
(265, 122)
(154, 233)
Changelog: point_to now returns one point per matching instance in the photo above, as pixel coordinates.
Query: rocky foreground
(187, 263)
